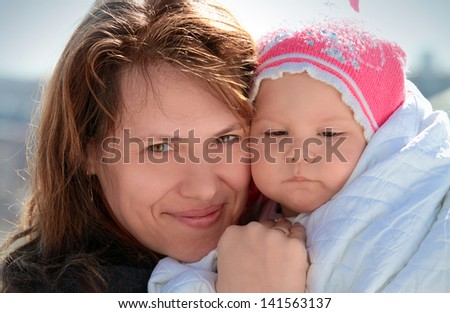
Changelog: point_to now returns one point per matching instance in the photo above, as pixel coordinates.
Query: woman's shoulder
(113, 270)
(127, 271)
(129, 277)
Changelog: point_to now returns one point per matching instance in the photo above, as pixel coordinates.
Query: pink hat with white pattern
(367, 70)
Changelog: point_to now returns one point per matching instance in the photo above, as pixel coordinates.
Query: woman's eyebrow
(232, 127)
(175, 137)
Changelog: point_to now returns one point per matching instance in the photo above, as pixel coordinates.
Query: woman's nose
(199, 181)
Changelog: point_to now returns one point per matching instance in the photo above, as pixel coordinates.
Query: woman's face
(173, 172)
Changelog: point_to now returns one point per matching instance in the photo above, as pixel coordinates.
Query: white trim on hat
(327, 64)
(298, 67)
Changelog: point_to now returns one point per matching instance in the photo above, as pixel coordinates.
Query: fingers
(282, 222)
(295, 230)
(259, 258)
(298, 231)
(282, 225)
(268, 223)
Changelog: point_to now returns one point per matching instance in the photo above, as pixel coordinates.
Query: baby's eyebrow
(259, 119)
(336, 119)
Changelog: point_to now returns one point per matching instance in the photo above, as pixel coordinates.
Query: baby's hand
(295, 230)
(269, 257)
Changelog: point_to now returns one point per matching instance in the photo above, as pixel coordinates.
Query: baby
(320, 95)
(359, 159)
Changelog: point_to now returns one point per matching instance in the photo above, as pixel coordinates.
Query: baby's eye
(275, 133)
(160, 147)
(329, 133)
(228, 138)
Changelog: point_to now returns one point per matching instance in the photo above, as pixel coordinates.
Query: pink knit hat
(368, 71)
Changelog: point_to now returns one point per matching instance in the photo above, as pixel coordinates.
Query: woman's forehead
(166, 100)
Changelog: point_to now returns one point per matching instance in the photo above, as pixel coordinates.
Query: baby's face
(307, 142)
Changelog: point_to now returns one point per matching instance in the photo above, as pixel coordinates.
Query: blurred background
(33, 35)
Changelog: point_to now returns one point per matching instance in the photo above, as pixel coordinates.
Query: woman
(136, 154)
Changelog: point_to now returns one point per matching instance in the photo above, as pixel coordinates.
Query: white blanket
(388, 229)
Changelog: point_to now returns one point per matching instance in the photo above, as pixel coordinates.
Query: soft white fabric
(173, 276)
(388, 229)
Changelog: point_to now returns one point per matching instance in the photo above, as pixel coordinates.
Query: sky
(33, 33)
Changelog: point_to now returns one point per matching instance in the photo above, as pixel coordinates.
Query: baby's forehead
(293, 107)
(323, 117)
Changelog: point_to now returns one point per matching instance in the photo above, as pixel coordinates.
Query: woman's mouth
(200, 218)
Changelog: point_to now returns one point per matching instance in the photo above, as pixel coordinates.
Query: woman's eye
(227, 138)
(275, 133)
(160, 147)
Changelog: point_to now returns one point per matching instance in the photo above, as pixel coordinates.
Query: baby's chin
(292, 211)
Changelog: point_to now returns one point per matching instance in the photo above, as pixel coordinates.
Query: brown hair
(66, 219)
